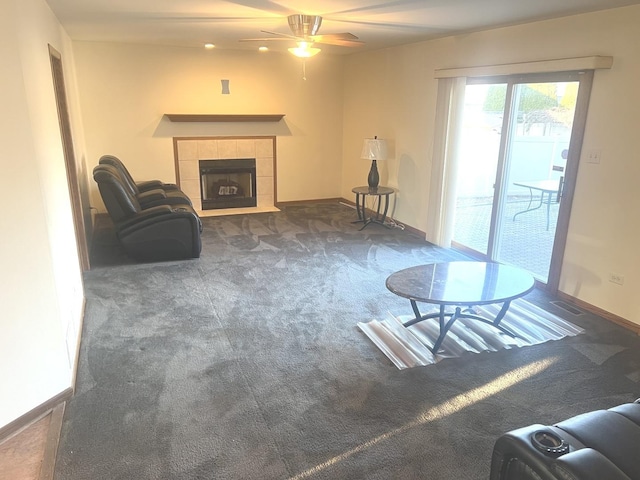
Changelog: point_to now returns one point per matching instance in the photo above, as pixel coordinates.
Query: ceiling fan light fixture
(304, 50)
(209, 45)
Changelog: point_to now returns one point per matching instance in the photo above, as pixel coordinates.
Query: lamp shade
(374, 149)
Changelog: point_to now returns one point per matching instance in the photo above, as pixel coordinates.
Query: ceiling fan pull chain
(304, 69)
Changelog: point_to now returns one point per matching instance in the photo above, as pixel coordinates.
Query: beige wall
(126, 89)
(391, 93)
(42, 292)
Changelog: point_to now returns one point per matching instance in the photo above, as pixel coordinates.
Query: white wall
(42, 293)
(126, 89)
(391, 93)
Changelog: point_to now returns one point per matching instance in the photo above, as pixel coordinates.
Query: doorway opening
(69, 158)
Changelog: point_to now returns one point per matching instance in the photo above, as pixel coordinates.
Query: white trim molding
(542, 66)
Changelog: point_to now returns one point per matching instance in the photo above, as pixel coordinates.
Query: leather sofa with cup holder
(598, 445)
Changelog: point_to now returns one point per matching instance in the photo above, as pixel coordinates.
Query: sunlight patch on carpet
(438, 412)
(411, 347)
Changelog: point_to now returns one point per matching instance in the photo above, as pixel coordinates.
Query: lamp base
(374, 178)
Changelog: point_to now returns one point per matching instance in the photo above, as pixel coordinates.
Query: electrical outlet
(616, 278)
(594, 156)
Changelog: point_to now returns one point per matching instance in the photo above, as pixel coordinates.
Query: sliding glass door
(514, 142)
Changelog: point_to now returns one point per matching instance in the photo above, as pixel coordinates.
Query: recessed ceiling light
(209, 45)
(263, 49)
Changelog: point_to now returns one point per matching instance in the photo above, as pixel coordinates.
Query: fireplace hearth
(228, 183)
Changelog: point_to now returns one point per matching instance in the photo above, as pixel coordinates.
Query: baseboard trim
(623, 322)
(304, 202)
(74, 373)
(407, 228)
(351, 203)
(34, 415)
(415, 231)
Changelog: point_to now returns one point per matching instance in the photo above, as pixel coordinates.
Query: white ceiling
(192, 23)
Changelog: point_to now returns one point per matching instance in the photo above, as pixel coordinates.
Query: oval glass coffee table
(457, 287)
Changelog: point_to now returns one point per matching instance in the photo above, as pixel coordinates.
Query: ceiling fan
(304, 30)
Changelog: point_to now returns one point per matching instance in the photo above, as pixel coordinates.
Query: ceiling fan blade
(265, 5)
(389, 25)
(267, 39)
(284, 35)
(329, 40)
(203, 18)
(381, 7)
(335, 36)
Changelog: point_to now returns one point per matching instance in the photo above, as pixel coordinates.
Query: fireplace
(189, 151)
(228, 183)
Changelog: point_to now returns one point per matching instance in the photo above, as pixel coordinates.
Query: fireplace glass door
(228, 183)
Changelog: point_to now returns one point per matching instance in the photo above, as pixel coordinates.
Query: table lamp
(374, 149)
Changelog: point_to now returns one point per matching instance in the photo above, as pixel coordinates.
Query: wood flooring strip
(51, 447)
(28, 418)
(21, 455)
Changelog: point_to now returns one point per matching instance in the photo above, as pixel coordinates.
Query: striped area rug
(410, 347)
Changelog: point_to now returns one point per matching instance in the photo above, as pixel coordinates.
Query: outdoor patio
(525, 241)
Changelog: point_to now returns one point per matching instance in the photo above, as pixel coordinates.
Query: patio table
(546, 188)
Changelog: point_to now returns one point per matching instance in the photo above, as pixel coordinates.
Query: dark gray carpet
(247, 363)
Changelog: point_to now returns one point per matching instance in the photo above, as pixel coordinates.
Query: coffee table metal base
(445, 325)
(462, 286)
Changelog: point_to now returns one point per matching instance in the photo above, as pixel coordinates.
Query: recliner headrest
(120, 203)
(127, 179)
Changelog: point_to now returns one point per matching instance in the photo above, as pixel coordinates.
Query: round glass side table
(382, 194)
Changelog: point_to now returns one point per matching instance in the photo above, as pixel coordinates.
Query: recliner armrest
(148, 185)
(587, 464)
(144, 214)
(157, 214)
(151, 195)
(152, 184)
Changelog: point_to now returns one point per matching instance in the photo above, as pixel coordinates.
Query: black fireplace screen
(228, 183)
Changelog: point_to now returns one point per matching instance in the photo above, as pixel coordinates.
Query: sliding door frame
(585, 79)
(570, 179)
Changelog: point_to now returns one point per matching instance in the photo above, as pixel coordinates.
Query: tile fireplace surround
(189, 150)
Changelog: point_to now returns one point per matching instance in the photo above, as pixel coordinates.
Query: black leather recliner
(599, 445)
(162, 232)
(149, 193)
